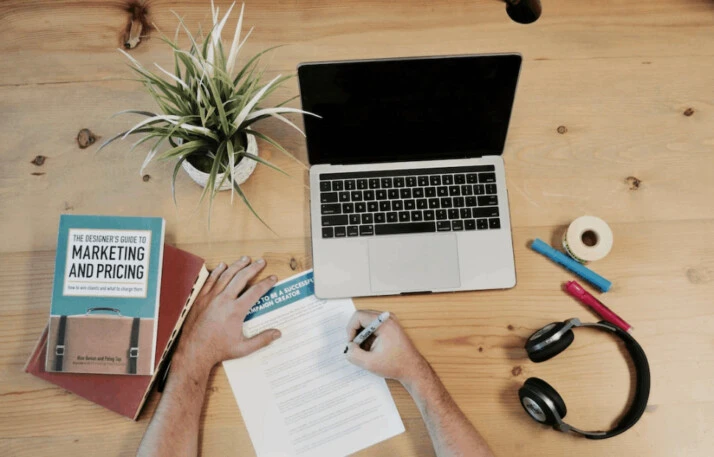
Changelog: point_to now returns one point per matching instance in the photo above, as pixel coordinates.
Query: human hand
(213, 331)
(391, 355)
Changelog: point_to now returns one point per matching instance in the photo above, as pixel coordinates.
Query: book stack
(120, 297)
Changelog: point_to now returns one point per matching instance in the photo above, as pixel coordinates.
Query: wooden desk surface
(613, 117)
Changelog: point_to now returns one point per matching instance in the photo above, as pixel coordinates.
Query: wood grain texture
(613, 117)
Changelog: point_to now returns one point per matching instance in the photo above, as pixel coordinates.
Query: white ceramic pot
(243, 169)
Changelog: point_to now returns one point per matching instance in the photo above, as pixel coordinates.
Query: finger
(369, 342)
(251, 296)
(212, 279)
(358, 356)
(229, 273)
(359, 320)
(241, 279)
(261, 340)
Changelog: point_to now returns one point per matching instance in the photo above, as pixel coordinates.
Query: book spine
(154, 365)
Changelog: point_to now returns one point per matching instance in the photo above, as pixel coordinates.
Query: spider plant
(208, 107)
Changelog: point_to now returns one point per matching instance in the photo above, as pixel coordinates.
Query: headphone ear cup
(531, 396)
(549, 392)
(551, 349)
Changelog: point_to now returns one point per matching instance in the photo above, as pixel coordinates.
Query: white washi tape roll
(587, 239)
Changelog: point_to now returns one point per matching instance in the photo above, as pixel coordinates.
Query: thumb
(358, 356)
(261, 340)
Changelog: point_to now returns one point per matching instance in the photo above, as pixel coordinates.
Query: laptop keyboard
(392, 202)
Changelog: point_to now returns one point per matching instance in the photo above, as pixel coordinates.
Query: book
(183, 276)
(105, 295)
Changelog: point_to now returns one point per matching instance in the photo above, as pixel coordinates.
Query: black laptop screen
(408, 109)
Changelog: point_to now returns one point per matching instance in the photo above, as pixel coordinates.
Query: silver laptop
(407, 184)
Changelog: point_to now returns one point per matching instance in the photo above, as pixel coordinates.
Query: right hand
(392, 355)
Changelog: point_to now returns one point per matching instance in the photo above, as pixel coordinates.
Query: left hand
(213, 331)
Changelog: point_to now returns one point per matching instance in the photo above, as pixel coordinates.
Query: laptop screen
(408, 109)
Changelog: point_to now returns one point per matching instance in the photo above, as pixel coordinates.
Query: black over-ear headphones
(545, 405)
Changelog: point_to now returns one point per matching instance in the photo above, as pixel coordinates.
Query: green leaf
(287, 101)
(254, 99)
(132, 111)
(143, 140)
(263, 161)
(184, 149)
(271, 141)
(230, 170)
(276, 86)
(188, 32)
(218, 103)
(159, 99)
(174, 94)
(240, 193)
(207, 40)
(188, 64)
(210, 186)
(177, 67)
(210, 111)
(173, 179)
(252, 61)
(119, 135)
(248, 123)
(150, 155)
(149, 122)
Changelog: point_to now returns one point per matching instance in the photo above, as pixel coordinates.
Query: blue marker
(576, 267)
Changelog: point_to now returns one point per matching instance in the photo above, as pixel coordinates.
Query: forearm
(451, 432)
(213, 331)
(173, 430)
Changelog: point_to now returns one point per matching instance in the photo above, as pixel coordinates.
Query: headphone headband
(553, 339)
(642, 381)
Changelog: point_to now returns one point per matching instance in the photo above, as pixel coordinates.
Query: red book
(182, 277)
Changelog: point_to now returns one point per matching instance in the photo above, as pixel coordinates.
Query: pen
(577, 291)
(576, 267)
(370, 329)
(163, 375)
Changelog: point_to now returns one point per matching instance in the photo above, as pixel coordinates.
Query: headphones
(543, 403)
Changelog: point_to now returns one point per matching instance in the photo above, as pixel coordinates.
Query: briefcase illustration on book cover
(102, 340)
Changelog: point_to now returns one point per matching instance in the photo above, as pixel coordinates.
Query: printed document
(300, 396)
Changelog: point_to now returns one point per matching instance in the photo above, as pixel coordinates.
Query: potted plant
(209, 106)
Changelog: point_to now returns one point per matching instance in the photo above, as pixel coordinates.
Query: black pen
(164, 374)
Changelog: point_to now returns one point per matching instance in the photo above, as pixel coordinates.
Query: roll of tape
(587, 239)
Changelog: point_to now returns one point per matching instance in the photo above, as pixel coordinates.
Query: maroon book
(183, 275)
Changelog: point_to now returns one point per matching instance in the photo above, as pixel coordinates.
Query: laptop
(407, 183)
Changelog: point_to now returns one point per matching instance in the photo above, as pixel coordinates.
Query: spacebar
(396, 229)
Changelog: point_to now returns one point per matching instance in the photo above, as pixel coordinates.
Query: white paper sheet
(300, 396)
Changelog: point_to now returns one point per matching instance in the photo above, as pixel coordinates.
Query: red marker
(577, 291)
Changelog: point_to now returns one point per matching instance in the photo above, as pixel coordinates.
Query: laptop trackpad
(413, 263)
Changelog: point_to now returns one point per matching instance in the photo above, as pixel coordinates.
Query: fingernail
(221, 265)
(244, 258)
(273, 278)
(260, 261)
(345, 351)
(277, 334)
